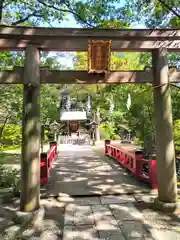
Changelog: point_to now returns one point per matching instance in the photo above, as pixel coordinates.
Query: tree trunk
(1, 9)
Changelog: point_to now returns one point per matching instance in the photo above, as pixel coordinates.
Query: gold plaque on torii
(99, 56)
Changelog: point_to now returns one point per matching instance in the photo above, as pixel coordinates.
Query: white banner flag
(128, 101)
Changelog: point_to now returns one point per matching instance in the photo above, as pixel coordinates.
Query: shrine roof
(73, 115)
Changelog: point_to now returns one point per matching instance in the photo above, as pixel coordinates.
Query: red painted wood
(153, 174)
(44, 168)
(135, 163)
(47, 160)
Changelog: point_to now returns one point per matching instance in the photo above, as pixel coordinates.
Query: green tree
(10, 105)
(103, 94)
(50, 100)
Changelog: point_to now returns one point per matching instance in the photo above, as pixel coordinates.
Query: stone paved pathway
(110, 217)
(97, 214)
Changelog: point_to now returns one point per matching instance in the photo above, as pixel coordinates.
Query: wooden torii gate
(33, 40)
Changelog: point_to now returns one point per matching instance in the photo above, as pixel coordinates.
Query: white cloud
(138, 25)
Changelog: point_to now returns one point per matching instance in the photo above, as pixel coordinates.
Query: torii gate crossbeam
(76, 39)
(48, 76)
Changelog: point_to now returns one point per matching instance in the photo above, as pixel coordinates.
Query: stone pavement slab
(81, 232)
(104, 235)
(126, 212)
(83, 216)
(68, 232)
(117, 199)
(88, 232)
(101, 210)
(145, 197)
(87, 201)
(133, 229)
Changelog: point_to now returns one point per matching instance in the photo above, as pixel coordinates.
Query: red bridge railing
(142, 169)
(47, 160)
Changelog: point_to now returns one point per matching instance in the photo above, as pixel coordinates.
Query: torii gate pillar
(30, 160)
(165, 152)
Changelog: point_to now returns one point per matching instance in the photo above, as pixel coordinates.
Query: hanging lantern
(99, 56)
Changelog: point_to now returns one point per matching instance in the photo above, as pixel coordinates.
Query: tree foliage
(116, 94)
(87, 13)
(158, 13)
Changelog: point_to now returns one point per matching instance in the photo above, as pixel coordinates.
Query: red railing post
(52, 144)
(132, 164)
(106, 142)
(139, 154)
(138, 168)
(125, 160)
(51, 155)
(118, 155)
(44, 168)
(114, 152)
(122, 158)
(109, 150)
(137, 164)
(153, 174)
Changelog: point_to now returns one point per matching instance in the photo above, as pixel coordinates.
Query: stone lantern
(54, 126)
(93, 125)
